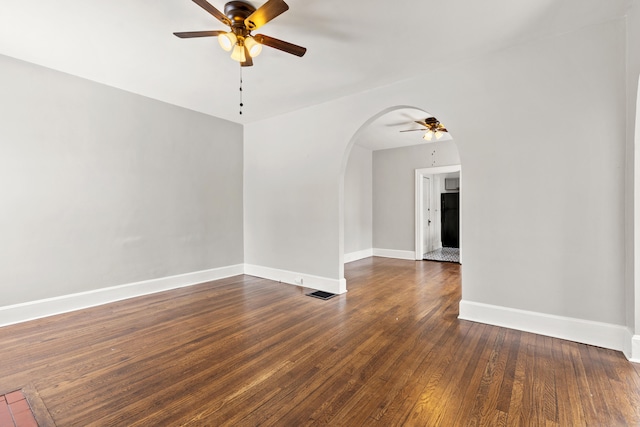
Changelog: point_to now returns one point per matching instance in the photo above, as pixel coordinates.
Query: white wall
(101, 187)
(562, 227)
(394, 190)
(358, 193)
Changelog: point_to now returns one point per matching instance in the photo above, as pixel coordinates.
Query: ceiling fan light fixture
(238, 53)
(253, 46)
(439, 134)
(241, 18)
(227, 41)
(428, 136)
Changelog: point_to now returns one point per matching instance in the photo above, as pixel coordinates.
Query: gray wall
(101, 187)
(358, 202)
(394, 190)
(564, 225)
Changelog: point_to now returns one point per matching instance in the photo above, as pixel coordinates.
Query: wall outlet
(298, 281)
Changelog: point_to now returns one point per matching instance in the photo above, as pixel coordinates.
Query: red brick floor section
(15, 411)
(5, 415)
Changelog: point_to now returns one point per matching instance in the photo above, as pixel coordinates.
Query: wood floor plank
(512, 339)
(245, 351)
(550, 381)
(517, 412)
(486, 398)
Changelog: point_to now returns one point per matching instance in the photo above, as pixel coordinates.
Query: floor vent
(321, 295)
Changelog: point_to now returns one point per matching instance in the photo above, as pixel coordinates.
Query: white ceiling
(352, 45)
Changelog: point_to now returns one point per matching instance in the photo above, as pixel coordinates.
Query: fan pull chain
(241, 104)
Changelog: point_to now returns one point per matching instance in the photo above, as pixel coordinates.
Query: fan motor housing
(238, 11)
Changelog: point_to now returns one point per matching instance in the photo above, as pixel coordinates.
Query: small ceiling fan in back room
(242, 18)
(432, 126)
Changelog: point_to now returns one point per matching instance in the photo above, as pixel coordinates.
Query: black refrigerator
(450, 226)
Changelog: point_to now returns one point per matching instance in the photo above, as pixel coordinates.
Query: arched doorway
(382, 134)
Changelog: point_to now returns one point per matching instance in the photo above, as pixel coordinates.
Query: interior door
(450, 206)
(426, 214)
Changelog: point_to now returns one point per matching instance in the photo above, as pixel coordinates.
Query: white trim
(635, 235)
(355, 256)
(635, 349)
(584, 331)
(335, 286)
(395, 253)
(628, 344)
(32, 310)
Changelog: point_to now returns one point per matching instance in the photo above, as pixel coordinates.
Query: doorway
(449, 247)
(438, 214)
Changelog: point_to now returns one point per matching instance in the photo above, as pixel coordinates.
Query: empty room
(333, 213)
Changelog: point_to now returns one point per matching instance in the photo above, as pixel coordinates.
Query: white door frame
(428, 241)
(420, 173)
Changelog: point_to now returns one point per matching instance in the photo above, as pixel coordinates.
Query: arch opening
(381, 134)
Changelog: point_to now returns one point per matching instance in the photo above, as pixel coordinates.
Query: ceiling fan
(242, 18)
(434, 128)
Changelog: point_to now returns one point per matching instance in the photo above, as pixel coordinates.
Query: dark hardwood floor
(246, 351)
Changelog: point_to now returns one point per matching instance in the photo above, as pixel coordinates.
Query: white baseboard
(599, 334)
(394, 253)
(334, 286)
(51, 306)
(32, 310)
(355, 256)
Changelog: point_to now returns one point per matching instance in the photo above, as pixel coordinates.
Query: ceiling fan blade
(280, 45)
(248, 60)
(213, 11)
(191, 34)
(421, 123)
(265, 13)
(412, 130)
